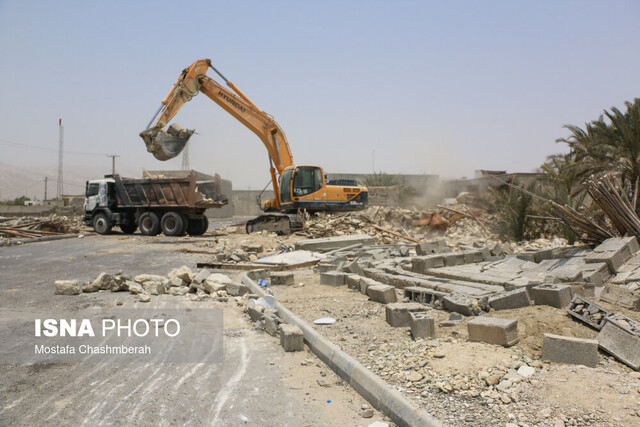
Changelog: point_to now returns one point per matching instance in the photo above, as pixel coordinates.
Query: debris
(620, 341)
(325, 321)
(576, 351)
(397, 313)
(68, 287)
(493, 330)
(422, 326)
(291, 338)
(331, 243)
(282, 278)
(558, 296)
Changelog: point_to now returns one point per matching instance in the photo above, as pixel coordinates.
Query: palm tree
(609, 144)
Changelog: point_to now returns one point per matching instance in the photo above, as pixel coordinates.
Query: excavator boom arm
(165, 145)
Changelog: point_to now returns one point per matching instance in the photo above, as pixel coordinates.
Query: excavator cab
(300, 181)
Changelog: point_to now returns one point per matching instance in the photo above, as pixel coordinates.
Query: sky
(416, 87)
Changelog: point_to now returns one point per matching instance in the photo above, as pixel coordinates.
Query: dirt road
(256, 383)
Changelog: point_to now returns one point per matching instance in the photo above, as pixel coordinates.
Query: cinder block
(575, 351)
(619, 342)
(422, 326)
(397, 313)
(425, 296)
(493, 330)
(432, 247)
(291, 338)
(353, 281)
(558, 296)
(282, 278)
(454, 259)
(511, 299)
(622, 296)
(237, 289)
(383, 294)
(614, 251)
(271, 324)
(332, 278)
(354, 268)
(365, 283)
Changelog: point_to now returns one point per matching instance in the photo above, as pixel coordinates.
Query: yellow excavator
(296, 187)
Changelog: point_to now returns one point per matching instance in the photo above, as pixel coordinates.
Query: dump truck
(173, 206)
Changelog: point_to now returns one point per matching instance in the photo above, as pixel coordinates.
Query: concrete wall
(244, 201)
(384, 196)
(226, 211)
(19, 210)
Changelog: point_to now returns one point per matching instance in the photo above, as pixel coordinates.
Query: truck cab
(98, 192)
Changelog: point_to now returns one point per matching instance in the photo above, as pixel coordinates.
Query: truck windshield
(93, 189)
(285, 186)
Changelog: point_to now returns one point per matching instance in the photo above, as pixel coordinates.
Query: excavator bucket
(166, 145)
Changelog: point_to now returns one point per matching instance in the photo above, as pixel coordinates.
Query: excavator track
(275, 222)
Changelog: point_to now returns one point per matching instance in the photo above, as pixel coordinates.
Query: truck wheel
(129, 228)
(101, 224)
(172, 224)
(197, 227)
(149, 224)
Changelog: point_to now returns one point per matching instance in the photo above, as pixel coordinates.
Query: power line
(82, 153)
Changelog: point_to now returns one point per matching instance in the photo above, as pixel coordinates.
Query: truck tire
(129, 228)
(197, 227)
(172, 224)
(149, 224)
(101, 223)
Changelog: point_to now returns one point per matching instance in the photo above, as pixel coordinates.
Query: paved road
(256, 383)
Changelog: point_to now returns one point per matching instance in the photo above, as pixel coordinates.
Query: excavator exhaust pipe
(166, 145)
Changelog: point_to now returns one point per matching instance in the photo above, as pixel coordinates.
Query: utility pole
(59, 189)
(113, 163)
(46, 179)
(185, 158)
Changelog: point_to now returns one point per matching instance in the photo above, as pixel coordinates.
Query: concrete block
(354, 268)
(397, 313)
(236, 289)
(337, 242)
(558, 296)
(425, 296)
(622, 296)
(493, 330)
(614, 251)
(466, 305)
(383, 294)
(422, 326)
(454, 259)
(271, 324)
(575, 351)
(511, 299)
(432, 247)
(353, 281)
(260, 273)
(323, 267)
(332, 278)
(291, 338)
(282, 278)
(365, 283)
(255, 312)
(620, 343)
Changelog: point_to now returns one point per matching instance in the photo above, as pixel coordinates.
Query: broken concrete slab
(397, 313)
(183, 273)
(511, 299)
(466, 305)
(422, 325)
(153, 287)
(558, 296)
(332, 278)
(291, 338)
(105, 281)
(201, 276)
(619, 342)
(493, 330)
(614, 251)
(143, 278)
(331, 243)
(283, 278)
(68, 287)
(255, 312)
(383, 294)
(570, 350)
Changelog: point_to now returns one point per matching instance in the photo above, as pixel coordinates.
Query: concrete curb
(42, 239)
(376, 391)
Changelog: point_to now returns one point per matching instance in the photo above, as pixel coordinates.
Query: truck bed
(169, 193)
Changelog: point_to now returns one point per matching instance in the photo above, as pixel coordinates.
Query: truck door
(91, 196)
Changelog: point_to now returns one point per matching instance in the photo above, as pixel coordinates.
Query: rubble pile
(29, 227)
(390, 224)
(182, 281)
